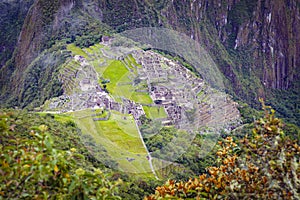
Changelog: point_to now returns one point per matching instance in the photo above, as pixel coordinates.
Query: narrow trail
(149, 155)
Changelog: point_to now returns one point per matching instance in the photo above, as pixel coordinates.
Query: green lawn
(76, 50)
(141, 97)
(124, 87)
(63, 118)
(90, 51)
(154, 112)
(95, 51)
(114, 72)
(131, 63)
(119, 137)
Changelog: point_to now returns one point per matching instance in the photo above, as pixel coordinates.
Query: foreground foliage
(31, 168)
(43, 159)
(263, 165)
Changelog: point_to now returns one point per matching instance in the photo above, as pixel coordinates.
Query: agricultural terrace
(119, 136)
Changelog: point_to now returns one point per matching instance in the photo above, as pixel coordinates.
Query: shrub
(267, 168)
(32, 169)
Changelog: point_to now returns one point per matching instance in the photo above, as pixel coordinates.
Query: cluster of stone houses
(170, 85)
(102, 99)
(97, 98)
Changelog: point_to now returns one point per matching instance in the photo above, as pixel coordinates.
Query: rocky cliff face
(12, 15)
(41, 21)
(268, 30)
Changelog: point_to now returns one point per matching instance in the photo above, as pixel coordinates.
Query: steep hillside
(254, 43)
(267, 30)
(146, 90)
(120, 96)
(13, 13)
(45, 32)
(43, 156)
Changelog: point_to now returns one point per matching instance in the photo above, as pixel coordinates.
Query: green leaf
(204, 194)
(72, 187)
(48, 143)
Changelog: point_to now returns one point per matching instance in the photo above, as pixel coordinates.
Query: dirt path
(149, 155)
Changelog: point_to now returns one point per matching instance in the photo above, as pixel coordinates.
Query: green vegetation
(141, 97)
(11, 21)
(170, 170)
(133, 61)
(288, 107)
(264, 165)
(119, 136)
(177, 58)
(76, 50)
(122, 87)
(241, 12)
(114, 72)
(83, 27)
(115, 76)
(127, 17)
(116, 80)
(45, 156)
(34, 166)
(41, 80)
(154, 112)
(38, 156)
(169, 143)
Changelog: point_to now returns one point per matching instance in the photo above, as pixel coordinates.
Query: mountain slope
(254, 43)
(12, 17)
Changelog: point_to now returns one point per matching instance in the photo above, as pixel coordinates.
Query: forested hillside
(36, 163)
(149, 99)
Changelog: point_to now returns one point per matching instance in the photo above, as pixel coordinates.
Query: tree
(32, 169)
(263, 165)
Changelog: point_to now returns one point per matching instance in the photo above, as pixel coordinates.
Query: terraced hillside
(110, 90)
(118, 136)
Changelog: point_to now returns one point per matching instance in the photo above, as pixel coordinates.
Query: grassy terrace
(114, 72)
(154, 112)
(118, 136)
(76, 50)
(120, 84)
(141, 97)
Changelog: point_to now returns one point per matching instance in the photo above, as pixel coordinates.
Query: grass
(95, 50)
(101, 64)
(76, 50)
(114, 72)
(132, 60)
(119, 136)
(131, 63)
(154, 112)
(63, 118)
(124, 87)
(141, 97)
(101, 114)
